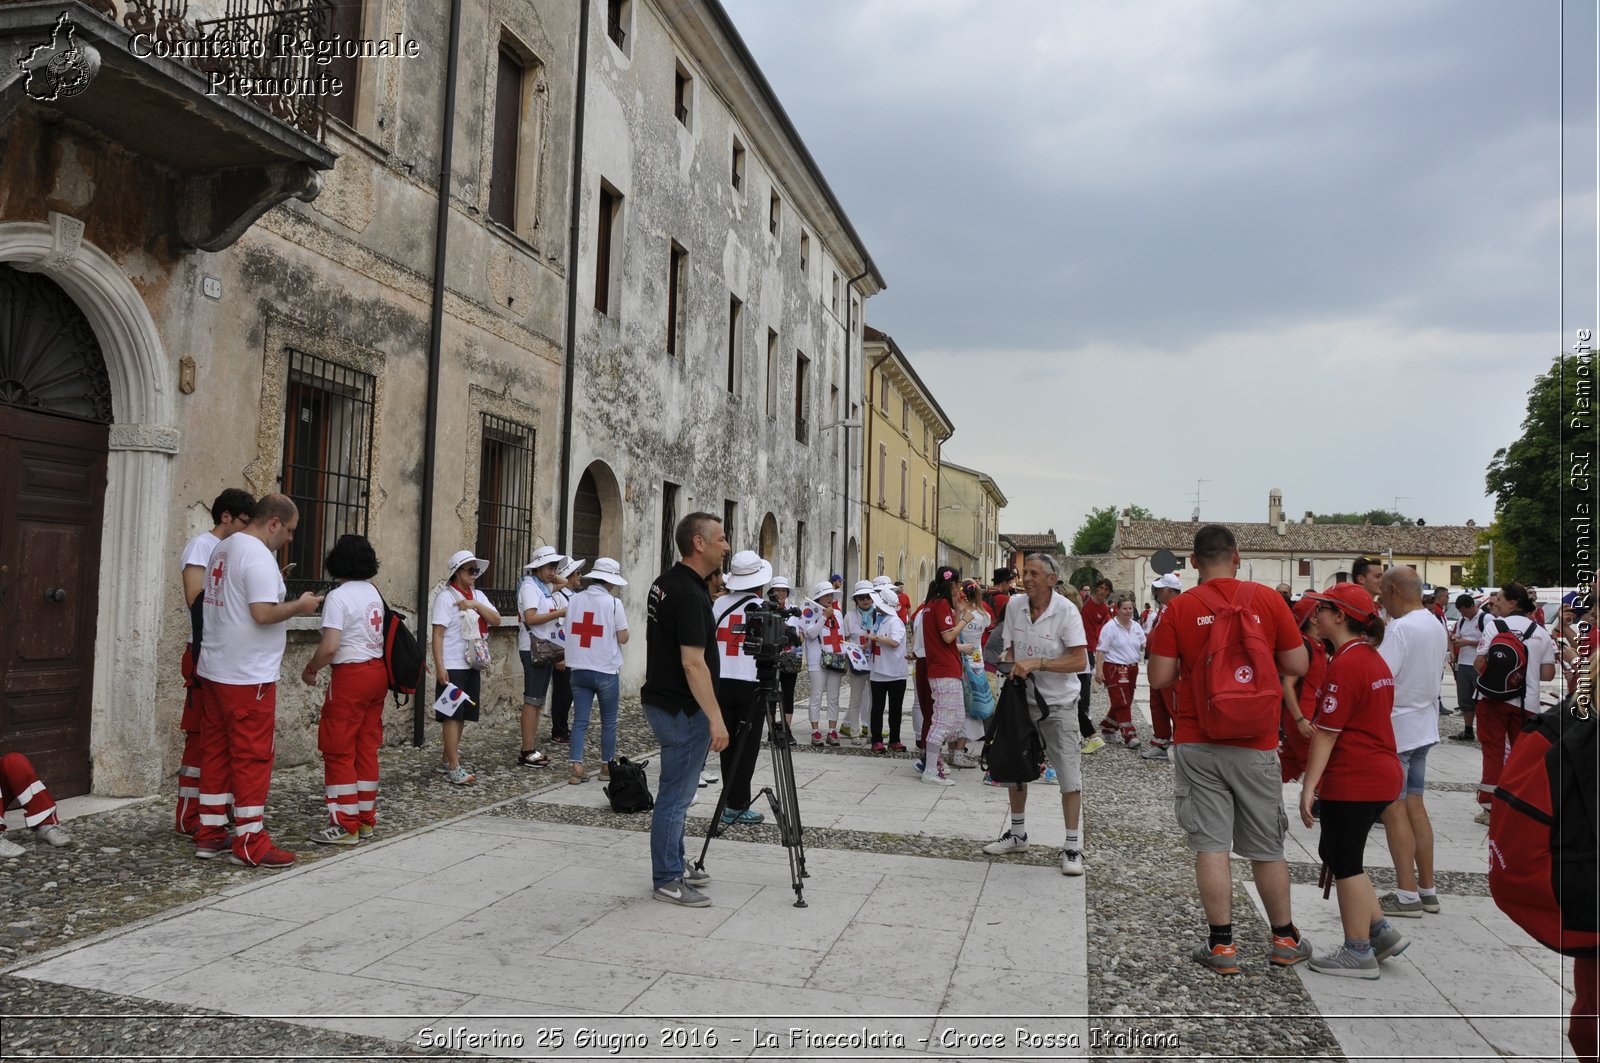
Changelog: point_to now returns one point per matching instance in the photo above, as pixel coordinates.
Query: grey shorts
(1229, 799)
(1060, 733)
(1413, 765)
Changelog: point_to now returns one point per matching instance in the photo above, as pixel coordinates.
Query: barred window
(327, 461)
(505, 507)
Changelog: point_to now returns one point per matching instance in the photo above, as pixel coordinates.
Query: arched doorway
(852, 562)
(597, 514)
(769, 539)
(55, 416)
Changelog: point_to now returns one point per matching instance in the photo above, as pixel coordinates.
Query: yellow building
(905, 430)
(969, 524)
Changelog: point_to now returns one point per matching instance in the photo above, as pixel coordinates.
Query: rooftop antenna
(1397, 500)
(1197, 499)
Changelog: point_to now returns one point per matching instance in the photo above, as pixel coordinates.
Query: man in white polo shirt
(240, 655)
(1045, 640)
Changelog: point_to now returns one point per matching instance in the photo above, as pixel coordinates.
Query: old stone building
(969, 520)
(213, 290)
(906, 427)
(719, 320)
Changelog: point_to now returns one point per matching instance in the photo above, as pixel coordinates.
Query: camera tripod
(781, 794)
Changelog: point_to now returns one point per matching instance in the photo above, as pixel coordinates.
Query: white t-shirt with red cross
(736, 664)
(824, 631)
(356, 609)
(198, 550)
(594, 617)
(237, 650)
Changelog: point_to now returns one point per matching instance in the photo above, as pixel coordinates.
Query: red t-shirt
(1310, 684)
(941, 659)
(1357, 698)
(1182, 633)
(905, 608)
(1096, 614)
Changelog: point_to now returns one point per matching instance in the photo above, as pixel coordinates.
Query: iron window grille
(505, 507)
(327, 461)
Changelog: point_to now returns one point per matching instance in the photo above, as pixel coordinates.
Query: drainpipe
(441, 243)
(844, 504)
(563, 509)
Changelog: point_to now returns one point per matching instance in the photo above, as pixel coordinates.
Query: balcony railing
(253, 45)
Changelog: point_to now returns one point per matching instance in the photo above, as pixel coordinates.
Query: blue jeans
(586, 686)
(685, 741)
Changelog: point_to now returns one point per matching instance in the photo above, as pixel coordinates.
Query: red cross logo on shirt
(832, 639)
(734, 640)
(876, 649)
(586, 629)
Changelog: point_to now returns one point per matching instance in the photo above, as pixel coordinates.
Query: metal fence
(505, 508)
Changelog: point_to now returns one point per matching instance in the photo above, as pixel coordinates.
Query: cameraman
(747, 578)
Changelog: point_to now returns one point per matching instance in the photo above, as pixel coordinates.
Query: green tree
(1094, 535)
(1476, 573)
(1373, 516)
(1525, 479)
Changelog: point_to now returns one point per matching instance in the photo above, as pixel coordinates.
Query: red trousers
(925, 699)
(349, 736)
(1295, 747)
(20, 783)
(186, 820)
(1120, 681)
(1162, 702)
(1499, 725)
(236, 750)
(1585, 1005)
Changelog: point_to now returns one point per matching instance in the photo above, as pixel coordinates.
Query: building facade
(969, 519)
(906, 429)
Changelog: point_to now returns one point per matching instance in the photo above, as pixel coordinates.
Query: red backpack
(1240, 696)
(1543, 833)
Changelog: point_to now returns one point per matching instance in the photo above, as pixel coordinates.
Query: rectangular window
(677, 268)
(734, 307)
(903, 471)
(833, 415)
(327, 460)
(682, 95)
(730, 511)
(772, 374)
(617, 12)
(880, 564)
(1305, 566)
(883, 396)
(606, 248)
(345, 24)
(802, 398)
(924, 438)
(1457, 575)
(883, 473)
(834, 303)
(737, 177)
(507, 127)
(505, 507)
(669, 524)
(805, 253)
(774, 213)
(905, 415)
(924, 501)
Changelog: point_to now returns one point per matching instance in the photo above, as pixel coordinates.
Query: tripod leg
(783, 794)
(715, 828)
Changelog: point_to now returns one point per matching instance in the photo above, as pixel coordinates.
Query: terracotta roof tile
(1437, 540)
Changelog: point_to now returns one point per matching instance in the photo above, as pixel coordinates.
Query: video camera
(766, 633)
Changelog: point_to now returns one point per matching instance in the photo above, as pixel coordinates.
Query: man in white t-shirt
(1500, 718)
(1045, 639)
(242, 651)
(229, 512)
(1413, 647)
(1464, 641)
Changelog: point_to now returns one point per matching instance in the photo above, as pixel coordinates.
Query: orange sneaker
(1286, 951)
(1224, 959)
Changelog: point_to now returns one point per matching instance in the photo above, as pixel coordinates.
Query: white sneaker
(54, 834)
(933, 778)
(1071, 862)
(709, 778)
(962, 759)
(1007, 843)
(9, 848)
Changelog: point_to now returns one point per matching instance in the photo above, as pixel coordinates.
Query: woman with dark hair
(351, 730)
(1353, 772)
(450, 622)
(1116, 668)
(945, 615)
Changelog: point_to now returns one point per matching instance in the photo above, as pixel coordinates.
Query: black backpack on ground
(402, 656)
(1013, 749)
(629, 789)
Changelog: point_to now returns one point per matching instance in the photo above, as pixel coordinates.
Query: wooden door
(52, 495)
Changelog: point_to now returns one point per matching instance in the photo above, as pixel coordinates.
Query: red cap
(1351, 598)
(1303, 607)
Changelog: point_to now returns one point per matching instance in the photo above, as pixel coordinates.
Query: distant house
(1017, 547)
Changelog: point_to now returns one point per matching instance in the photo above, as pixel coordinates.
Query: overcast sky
(1303, 245)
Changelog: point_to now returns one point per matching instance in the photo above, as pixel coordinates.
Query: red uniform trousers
(1162, 704)
(1499, 725)
(20, 783)
(1295, 747)
(1585, 1005)
(349, 736)
(1120, 681)
(919, 675)
(186, 820)
(236, 740)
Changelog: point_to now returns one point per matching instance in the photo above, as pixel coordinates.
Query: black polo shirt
(678, 614)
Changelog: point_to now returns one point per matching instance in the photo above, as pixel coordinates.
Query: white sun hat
(823, 589)
(747, 571)
(882, 581)
(1168, 582)
(543, 556)
(779, 583)
(889, 598)
(864, 587)
(461, 557)
(606, 570)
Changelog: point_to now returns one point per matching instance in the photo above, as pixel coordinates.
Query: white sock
(1424, 891)
(1074, 840)
(1018, 827)
(1407, 897)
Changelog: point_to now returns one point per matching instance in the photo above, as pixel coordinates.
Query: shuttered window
(507, 126)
